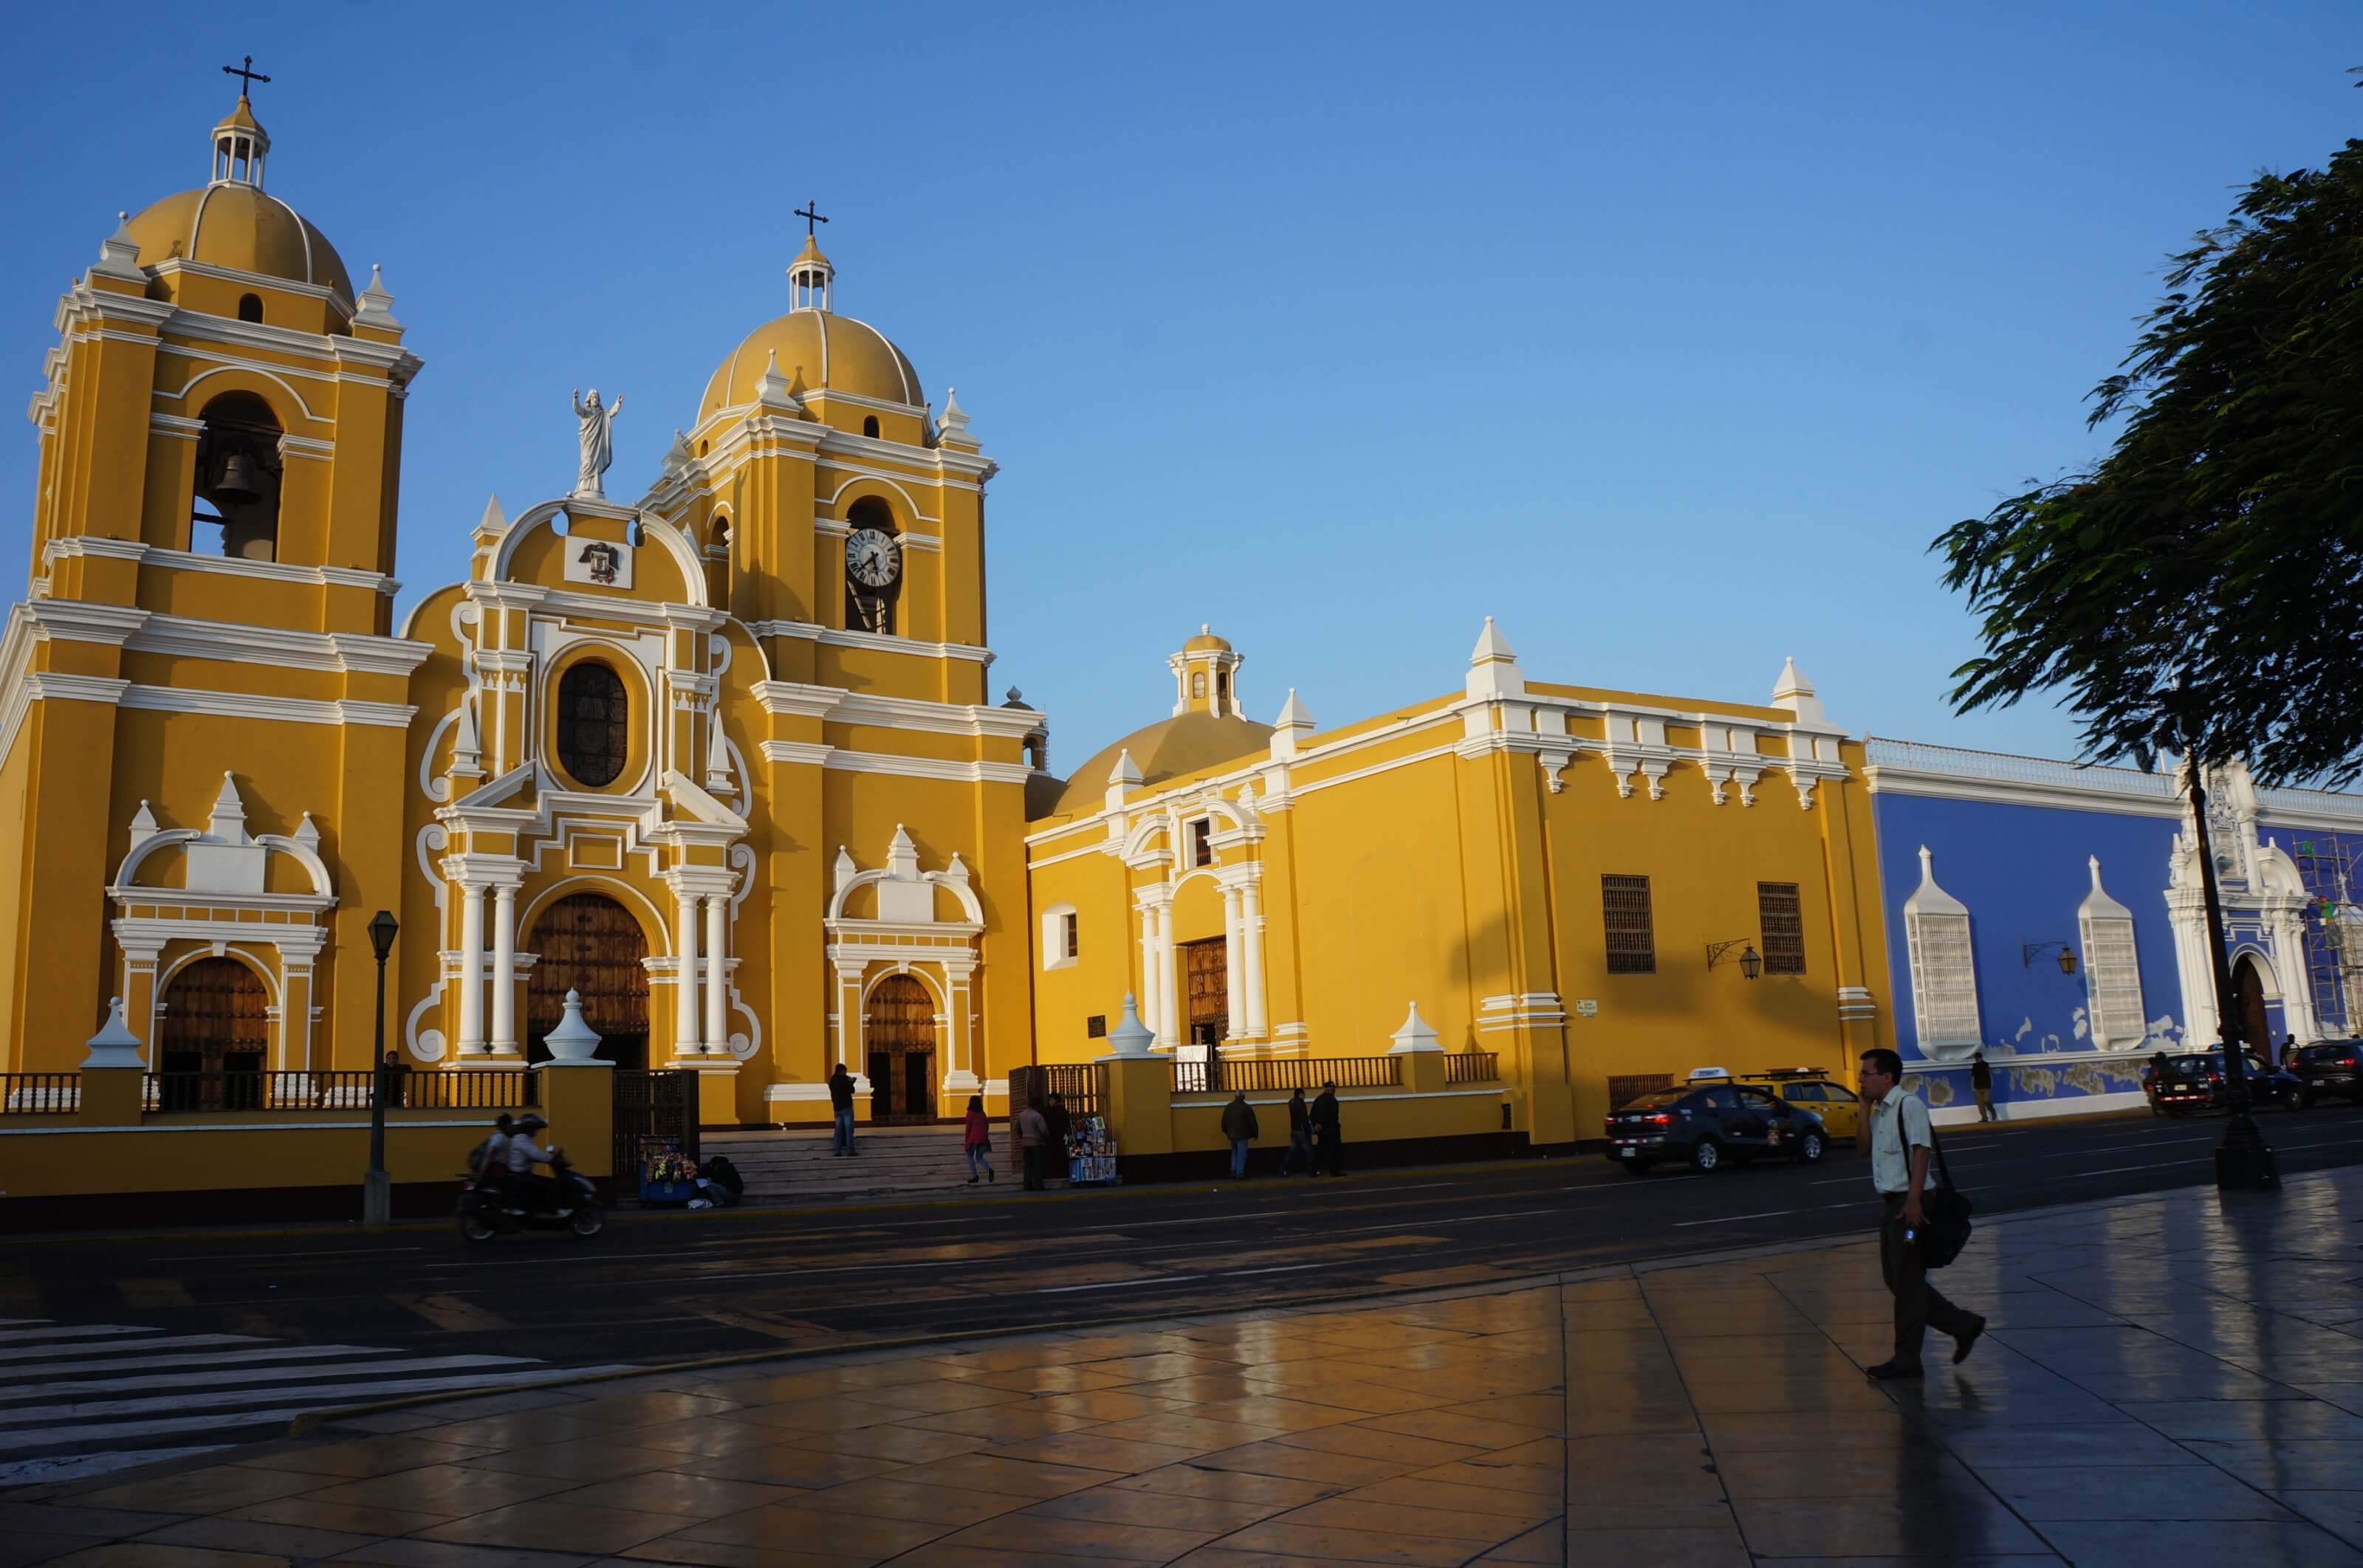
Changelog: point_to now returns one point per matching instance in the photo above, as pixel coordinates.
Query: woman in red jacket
(977, 1140)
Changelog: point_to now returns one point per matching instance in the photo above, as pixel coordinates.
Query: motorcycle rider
(527, 1191)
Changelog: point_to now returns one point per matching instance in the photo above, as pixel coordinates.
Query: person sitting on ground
(976, 1141)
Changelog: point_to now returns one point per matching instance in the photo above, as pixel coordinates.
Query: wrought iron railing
(489, 1088)
(1260, 1075)
(40, 1094)
(1472, 1067)
(498, 1088)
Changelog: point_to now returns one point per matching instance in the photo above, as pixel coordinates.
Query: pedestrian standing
(1033, 1142)
(2153, 1081)
(1329, 1134)
(2289, 1051)
(1300, 1132)
(397, 1079)
(1239, 1127)
(841, 1103)
(1894, 1128)
(1982, 1080)
(977, 1140)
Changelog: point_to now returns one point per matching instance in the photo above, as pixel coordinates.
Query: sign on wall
(601, 563)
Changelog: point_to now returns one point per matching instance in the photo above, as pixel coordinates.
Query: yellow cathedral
(721, 759)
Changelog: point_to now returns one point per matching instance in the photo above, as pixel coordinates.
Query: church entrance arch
(217, 1023)
(588, 944)
(2249, 1007)
(898, 1037)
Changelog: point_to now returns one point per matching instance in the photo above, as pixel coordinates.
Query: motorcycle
(485, 1211)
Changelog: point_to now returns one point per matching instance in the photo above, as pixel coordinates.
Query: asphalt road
(141, 1346)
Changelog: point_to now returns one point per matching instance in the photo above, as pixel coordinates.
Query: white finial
(771, 389)
(143, 824)
(717, 759)
(228, 824)
(118, 254)
(1129, 1037)
(1414, 1035)
(114, 1045)
(376, 304)
(901, 856)
(1794, 692)
(495, 521)
(1122, 778)
(844, 870)
(574, 1043)
(951, 428)
(1493, 667)
(676, 456)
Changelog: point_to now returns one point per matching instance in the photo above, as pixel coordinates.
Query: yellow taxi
(1812, 1089)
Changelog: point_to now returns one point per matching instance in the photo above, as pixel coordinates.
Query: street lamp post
(2243, 1159)
(377, 1187)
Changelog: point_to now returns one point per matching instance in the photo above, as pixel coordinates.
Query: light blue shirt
(1898, 1122)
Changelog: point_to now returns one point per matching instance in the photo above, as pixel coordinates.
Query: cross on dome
(808, 212)
(240, 141)
(247, 75)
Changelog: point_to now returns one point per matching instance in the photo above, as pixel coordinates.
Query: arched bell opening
(237, 476)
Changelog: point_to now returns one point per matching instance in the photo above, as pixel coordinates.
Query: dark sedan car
(2335, 1066)
(2196, 1083)
(1708, 1122)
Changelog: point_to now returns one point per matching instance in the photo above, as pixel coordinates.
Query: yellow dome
(1205, 642)
(1187, 743)
(233, 225)
(824, 351)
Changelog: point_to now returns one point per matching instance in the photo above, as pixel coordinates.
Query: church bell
(237, 482)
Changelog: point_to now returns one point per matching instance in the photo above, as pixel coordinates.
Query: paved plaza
(2178, 1376)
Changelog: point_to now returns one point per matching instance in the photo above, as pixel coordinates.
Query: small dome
(237, 225)
(824, 351)
(1187, 743)
(1205, 642)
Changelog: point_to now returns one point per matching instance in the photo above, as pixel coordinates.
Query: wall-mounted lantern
(1750, 962)
(2029, 952)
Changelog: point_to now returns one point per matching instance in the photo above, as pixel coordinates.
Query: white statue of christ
(598, 443)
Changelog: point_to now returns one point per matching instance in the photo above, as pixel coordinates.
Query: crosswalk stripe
(209, 1358)
(18, 1441)
(242, 1375)
(327, 1393)
(88, 1333)
(111, 1347)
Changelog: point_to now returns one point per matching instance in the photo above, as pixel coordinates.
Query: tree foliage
(2199, 588)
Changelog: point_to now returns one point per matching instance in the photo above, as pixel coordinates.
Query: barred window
(1627, 1088)
(1625, 914)
(1780, 920)
(2112, 982)
(593, 715)
(1944, 977)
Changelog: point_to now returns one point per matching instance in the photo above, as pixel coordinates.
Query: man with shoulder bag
(1895, 1130)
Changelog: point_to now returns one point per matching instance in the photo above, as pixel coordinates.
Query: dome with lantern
(814, 349)
(232, 224)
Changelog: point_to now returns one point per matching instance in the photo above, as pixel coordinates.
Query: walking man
(1895, 1129)
(1982, 1080)
(1300, 1132)
(1239, 1127)
(841, 1103)
(1033, 1140)
(1327, 1134)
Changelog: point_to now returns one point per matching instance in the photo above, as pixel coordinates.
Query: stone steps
(792, 1168)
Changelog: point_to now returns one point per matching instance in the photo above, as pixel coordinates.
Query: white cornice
(321, 292)
(224, 566)
(876, 641)
(250, 705)
(840, 760)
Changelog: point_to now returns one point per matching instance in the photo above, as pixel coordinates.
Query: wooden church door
(588, 944)
(1206, 967)
(898, 1037)
(216, 1023)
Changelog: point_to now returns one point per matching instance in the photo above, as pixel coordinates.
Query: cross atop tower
(246, 74)
(811, 218)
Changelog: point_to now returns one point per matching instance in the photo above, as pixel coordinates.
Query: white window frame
(1054, 936)
(1941, 951)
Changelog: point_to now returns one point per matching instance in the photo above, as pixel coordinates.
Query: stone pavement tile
(784, 1524)
(785, 1465)
(1275, 1413)
(1643, 1454)
(582, 1459)
(515, 1430)
(893, 1497)
(1515, 1481)
(72, 1517)
(1746, 1433)
(941, 1398)
(1089, 1448)
(1544, 1544)
(1303, 1464)
(2250, 1544)
(252, 1535)
(384, 1422)
(1228, 1485)
(1965, 1520)
(1474, 1431)
(671, 1492)
(1329, 1544)
(1589, 1417)
(1231, 1557)
(724, 1554)
(1209, 1389)
(1105, 1404)
(1186, 1432)
(348, 1519)
(904, 1445)
(215, 1489)
(1675, 1489)
(992, 1471)
(1342, 1393)
(2272, 1419)
(1422, 1489)
(550, 1525)
(706, 1434)
(1840, 1474)
(2303, 1465)
(1041, 1537)
(944, 1555)
(22, 1547)
(156, 1554)
(1396, 1448)
(2339, 1512)
(651, 1409)
(1116, 1505)
(377, 1456)
(1481, 1530)
(447, 1554)
(819, 1413)
(2100, 1492)
(1543, 1412)
(449, 1490)
(1002, 1423)
(1164, 1367)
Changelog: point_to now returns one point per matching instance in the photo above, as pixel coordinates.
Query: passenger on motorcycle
(525, 1188)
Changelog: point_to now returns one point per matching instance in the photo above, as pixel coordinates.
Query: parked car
(1812, 1089)
(1710, 1121)
(2196, 1083)
(2335, 1066)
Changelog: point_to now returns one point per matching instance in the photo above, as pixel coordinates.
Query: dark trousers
(1919, 1306)
(1985, 1106)
(1328, 1150)
(1300, 1142)
(1033, 1152)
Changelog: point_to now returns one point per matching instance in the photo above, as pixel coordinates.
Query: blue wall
(2021, 872)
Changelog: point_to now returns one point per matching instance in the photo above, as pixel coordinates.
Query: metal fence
(499, 1088)
(492, 1088)
(1261, 1074)
(40, 1094)
(1472, 1067)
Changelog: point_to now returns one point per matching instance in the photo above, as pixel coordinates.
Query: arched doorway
(2249, 1007)
(898, 1036)
(587, 942)
(216, 1025)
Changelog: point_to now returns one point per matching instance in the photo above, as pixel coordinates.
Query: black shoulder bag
(1944, 1214)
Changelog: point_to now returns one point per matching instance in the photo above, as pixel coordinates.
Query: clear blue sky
(1667, 334)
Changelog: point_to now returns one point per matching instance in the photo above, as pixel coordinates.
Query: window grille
(1780, 921)
(1944, 978)
(2112, 982)
(1624, 914)
(1623, 1089)
(594, 716)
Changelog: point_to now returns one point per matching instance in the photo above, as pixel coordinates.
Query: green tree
(2199, 588)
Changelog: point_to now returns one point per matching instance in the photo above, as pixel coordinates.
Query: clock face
(873, 558)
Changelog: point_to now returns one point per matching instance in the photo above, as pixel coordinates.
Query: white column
(505, 1040)
(2187, 918)
(717, 1039)
(1151, 994)
(684, 974)
(2297, 980)
(1251, 934)
(1235, 1021)
(847, 1000)
(471, 969)
(1169, 985)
